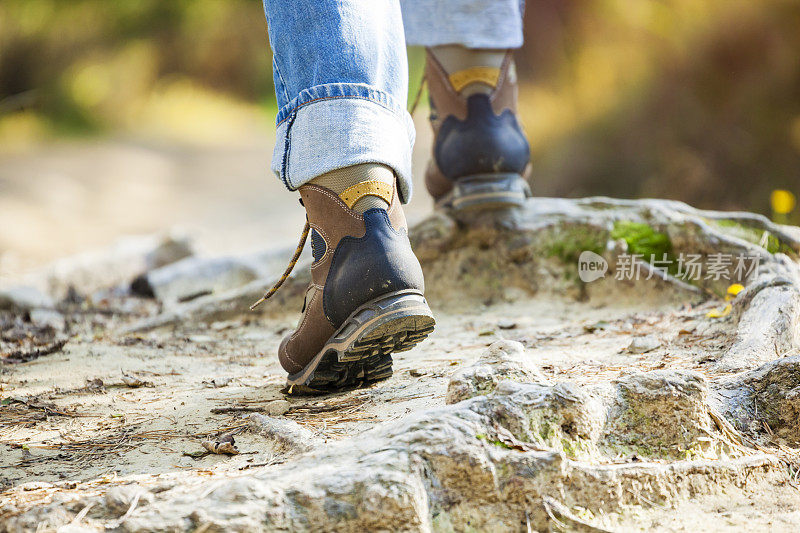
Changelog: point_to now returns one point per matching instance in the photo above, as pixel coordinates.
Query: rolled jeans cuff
(470, 23)
(337, 125)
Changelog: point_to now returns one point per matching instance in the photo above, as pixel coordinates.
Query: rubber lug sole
(359, 353)
(486, 191)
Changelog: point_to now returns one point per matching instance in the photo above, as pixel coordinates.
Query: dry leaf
(95, 385)
(134, 382)
(224, 446)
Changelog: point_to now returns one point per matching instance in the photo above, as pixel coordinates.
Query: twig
(24, 356)
(237, 409)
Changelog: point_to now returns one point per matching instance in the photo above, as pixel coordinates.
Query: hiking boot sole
(486, 191)
(359, 353)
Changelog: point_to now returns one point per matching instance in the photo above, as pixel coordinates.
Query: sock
(454, 57)
(340, 179)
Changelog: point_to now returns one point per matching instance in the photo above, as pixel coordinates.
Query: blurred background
(135, 117)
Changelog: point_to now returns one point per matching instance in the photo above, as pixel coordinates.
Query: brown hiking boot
(480, 154)
(366, 298)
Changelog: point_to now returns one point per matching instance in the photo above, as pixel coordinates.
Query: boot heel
(360, 350)
(487, 191)
(392, 323)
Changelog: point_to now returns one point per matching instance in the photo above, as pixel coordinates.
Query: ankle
(341, 179)
(457, 60)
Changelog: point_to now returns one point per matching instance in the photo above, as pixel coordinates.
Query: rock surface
(504, 360)
(766, 398)
(663, 409)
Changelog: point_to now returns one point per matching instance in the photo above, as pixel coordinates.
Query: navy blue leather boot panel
(483, 143)
(366, 268)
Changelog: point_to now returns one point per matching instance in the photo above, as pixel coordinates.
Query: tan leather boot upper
(337, 233)
(447, 104)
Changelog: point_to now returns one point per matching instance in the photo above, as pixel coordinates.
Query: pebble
(643, 344)
(48, 317)
(170, 250)
(23, 298)
(278, 407)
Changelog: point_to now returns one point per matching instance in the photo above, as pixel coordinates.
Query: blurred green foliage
(81, 64)
(697, 100)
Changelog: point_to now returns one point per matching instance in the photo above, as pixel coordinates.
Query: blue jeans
(341, 75)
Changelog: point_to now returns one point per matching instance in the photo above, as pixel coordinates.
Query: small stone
(287, 435)
(278, 407)
(506, 324)
(134, 382)
(512, 294)
(170, 250)
(218, 382)
(644, 344)
(23, 298)
(48, 318)
(95, 385)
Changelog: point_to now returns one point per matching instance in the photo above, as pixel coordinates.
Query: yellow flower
(782, 201)
(734, 290)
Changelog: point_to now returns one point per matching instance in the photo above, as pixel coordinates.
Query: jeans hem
(482, 24)
(338, 125)
(512, 41)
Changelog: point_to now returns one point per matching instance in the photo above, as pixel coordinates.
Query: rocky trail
(150, 398)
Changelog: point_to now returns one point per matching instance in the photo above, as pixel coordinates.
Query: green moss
(754, 235)
(547, 431)
(575, 448)
(498, 443)
(569, 241)
(642, 239)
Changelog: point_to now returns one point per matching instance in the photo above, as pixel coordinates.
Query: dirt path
(113, 429)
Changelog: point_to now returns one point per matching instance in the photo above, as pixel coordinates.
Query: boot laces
(289, 268)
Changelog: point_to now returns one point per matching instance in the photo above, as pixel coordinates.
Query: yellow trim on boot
(381, 189)
(462, 78)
